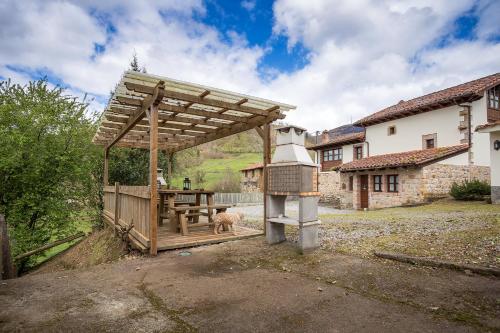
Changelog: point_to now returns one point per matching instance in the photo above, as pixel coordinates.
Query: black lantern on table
(187, 184)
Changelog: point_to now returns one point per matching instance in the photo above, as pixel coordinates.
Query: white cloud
(248, 4)
(365, 55)
(369, 55)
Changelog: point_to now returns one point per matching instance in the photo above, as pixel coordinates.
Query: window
(253, 173)
(494, 98)
(328, 155)
(358, 152)
(337, 154)
(377, 183)
(392, 183)
(391, 130)
(332, 155)
(429, 141)
(351, 183)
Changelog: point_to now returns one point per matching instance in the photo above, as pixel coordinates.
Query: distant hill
(216, 165)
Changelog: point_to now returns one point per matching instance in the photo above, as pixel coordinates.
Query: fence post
(117, 206)
(7, 270)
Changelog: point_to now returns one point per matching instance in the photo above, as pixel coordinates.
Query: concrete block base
(308, 236)
(495, 194)
(275, 233)
(308, 209)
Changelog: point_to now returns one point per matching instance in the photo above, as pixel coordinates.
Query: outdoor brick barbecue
(292, 173)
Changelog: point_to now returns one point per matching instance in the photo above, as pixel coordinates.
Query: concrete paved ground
(248, 286)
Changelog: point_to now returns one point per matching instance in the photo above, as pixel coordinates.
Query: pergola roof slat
(188, 114)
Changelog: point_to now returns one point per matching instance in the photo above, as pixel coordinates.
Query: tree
(49, 168)
(134, 64)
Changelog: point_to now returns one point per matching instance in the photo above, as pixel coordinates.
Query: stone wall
(437, 179)
(251, 184)
(409, 189)
(415, 185)
(333, 187)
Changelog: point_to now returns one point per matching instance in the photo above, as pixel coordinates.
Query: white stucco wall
(444, 122)
(495, 160)
(348, 152)
(480, 141)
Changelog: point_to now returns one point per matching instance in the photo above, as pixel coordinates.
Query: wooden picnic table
(181, 216)
(170, 195)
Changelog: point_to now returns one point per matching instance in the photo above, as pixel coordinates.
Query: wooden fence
(229, 198)
(131, 206)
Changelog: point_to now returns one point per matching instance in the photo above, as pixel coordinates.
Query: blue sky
(335, 60)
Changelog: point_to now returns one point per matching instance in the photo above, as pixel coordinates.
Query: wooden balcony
(493, 115)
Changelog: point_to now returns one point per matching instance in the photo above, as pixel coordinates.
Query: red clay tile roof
(253, 166)
(405, 159)
(466, 92)
(341, 140)
(488, 125)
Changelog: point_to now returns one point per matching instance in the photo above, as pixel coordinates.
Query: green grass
(81, 223)
(216, 168)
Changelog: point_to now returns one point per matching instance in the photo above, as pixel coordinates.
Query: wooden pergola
(153, 112)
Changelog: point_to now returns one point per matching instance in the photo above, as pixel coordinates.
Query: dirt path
(247, 286)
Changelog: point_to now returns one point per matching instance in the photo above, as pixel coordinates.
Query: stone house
(414, 150)
(252, 179)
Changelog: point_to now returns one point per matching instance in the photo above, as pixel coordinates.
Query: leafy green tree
(49, 168)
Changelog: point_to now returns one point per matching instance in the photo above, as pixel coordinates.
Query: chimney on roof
(401, 101)
(325, 137)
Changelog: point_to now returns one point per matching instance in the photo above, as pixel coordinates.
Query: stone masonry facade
(416, 185)
(251, 181)
(333, 187)
(438, 178)
(409, 189)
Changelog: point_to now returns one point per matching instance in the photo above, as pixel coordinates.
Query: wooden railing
(131, 206)
(228, 198)
(493, 115)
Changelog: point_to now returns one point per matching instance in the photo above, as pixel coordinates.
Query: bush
(470, 190)
(230, 183)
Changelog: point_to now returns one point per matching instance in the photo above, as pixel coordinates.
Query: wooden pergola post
(266, 160)
(106, 167)
(170, 157)
(153, 166)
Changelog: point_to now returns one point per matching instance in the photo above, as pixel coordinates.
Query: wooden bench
(182, 215)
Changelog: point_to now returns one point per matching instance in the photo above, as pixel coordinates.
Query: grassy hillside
(215, 169)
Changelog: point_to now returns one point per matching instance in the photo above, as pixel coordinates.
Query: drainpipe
(367, 149)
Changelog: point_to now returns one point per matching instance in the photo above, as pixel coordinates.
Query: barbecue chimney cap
(288, 127)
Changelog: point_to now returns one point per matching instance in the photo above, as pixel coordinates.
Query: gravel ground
(464, 232)
(254, 213)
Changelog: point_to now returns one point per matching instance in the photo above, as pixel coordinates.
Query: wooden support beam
(153, 99)
(117, 205)
(260, 131)
(197, 99)
(201, 113)
(170, 158)
(237, 128)
(106, 167)
(153, 166)
(266, 160)
(190, 120)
